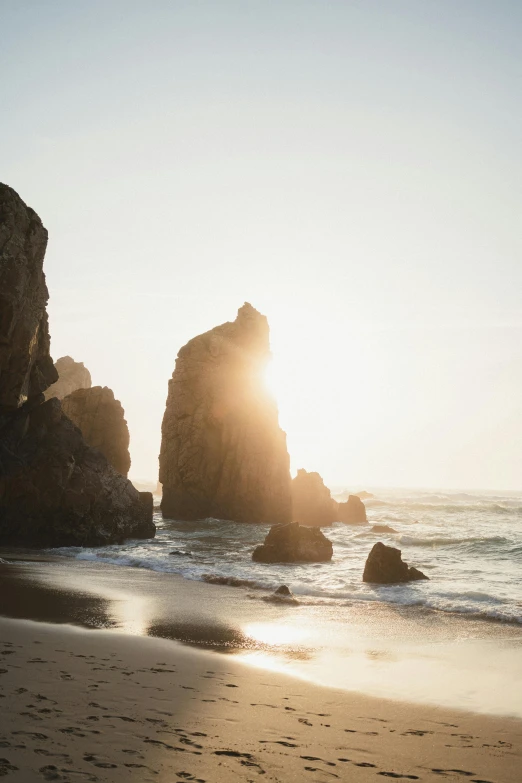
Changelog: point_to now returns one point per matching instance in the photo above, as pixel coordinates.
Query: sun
(271, 378)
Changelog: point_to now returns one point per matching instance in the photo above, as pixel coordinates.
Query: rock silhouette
(384, 565)
(223, 453)
(55, 490)
(294, 543)
(71, 376)
(283, 590)
(101, 420)
(312, 504)
(26, 368)
(353, 512)
(383, 529)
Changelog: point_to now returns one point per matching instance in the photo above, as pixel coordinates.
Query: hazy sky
(351, 168)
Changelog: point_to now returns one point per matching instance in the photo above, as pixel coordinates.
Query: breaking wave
(469, 544)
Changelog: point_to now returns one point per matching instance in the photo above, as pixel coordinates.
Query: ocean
(469, 545)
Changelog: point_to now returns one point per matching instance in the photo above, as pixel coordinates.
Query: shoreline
(406, 653)
(99, 706)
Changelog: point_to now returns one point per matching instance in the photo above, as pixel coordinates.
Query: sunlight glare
(271, 633)
(271, 378)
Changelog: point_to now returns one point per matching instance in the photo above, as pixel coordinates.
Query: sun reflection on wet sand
(382, 651)
(132, 613)
(275, 633)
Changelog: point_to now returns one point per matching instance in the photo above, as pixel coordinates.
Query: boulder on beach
(101, 419)
(312, 503)
(385, 566)
(223, 453)
(71, 376)
(55, 490)
(352, 512)
(294, 543)
(382, 529)
(282, 596)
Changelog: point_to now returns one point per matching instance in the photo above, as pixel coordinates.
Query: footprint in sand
(32, 734)
(6, 767)
(50, 772)
(130, 765)
(316, 758)
(92, 759)
(416, 733)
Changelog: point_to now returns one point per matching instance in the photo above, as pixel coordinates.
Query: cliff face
(101, 420)
(223, 453)
(26, 368)
(57, 490)
(54, 488)
(71, 376)
(311, 501)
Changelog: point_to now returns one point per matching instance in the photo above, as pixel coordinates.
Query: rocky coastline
(55, 489)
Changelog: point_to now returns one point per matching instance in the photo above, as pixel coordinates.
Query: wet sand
(128, 699)
(396, 652)
(101, 706)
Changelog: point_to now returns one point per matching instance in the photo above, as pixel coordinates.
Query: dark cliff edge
(55, 490)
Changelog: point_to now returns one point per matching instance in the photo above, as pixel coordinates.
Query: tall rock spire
(223, 453)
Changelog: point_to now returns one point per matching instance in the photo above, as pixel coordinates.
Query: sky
(351, 168)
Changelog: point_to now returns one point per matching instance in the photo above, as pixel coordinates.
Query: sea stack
(55, 490)
(223, 453)
(101, 419)
(312, 503)
(294, 543)
(353, 512)
(385, 566)
(71, 376)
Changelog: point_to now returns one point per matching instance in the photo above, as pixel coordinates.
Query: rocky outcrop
(55, 490)
(282, 596)
(385, 566)
(223, 453)
(353, 512)
(26, 368)
(294, 543)
(312, 504)
(101, 420)
(363, 494)
(382, 529)
(71, 376)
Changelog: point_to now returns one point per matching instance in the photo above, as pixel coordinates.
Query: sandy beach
(117, 700)
(96, 706)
